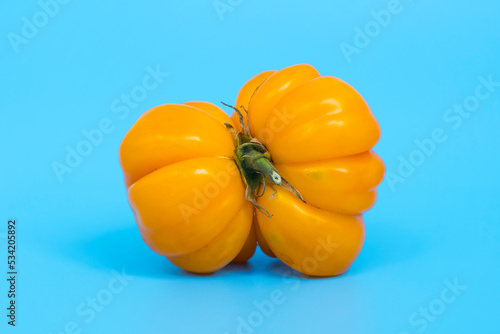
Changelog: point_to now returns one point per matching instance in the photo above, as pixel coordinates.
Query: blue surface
(436, 223)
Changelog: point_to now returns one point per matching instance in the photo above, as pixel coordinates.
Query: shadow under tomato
(385, 245)
(280, 269)
(231, 268)
(125, 248)
(115, 250)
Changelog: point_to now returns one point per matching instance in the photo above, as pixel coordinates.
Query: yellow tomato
(194, 175)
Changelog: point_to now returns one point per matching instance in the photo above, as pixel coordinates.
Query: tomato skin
(324, 118)
(188, 196)
(212, 110)
(350, 182)
(181, 207)
(249, 247)
(171, 133)
(232, 244)
(183, 186)
(313, 241)
(261, 241)
(320, 132)
(276, 86)
(246, 93)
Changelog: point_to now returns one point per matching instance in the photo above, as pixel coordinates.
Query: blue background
(436, 223)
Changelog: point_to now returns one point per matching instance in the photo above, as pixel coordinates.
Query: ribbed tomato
(292, 170)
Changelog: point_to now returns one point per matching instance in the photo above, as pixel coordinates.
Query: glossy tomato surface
(188, 196)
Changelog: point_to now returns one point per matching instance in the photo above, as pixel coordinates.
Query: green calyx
(255, 163)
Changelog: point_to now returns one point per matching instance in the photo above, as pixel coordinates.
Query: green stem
(255, 164)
